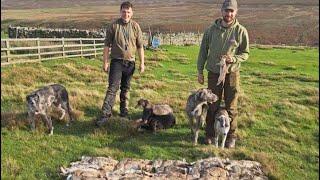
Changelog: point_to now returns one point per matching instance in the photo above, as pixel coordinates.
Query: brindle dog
(42, 99)
(196, 109)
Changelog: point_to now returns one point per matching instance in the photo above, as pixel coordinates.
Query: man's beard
(228, 19)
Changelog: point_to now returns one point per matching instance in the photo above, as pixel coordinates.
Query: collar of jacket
(218, 24)
(122, 21)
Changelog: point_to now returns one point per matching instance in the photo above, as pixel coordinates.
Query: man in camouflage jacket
(228, 39)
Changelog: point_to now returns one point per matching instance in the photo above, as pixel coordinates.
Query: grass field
(278, 124)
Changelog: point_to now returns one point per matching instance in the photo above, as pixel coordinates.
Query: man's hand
(200, 78)
(105, 67)
(141, 56)
(228, 58)
(142, 68)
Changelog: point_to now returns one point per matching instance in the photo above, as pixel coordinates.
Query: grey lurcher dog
(221, 126)
(155, 116)
(41, 100)
(196, 109)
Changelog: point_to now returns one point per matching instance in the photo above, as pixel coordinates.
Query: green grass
(4, 34)
(278, 114)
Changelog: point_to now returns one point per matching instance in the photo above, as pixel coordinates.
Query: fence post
(38, 44)
(170, 42)
(8, 50)
(198, 43)
(63, 53)
(95, 50)
(81, 48)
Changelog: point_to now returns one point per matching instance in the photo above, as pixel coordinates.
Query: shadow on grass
(172, 143)
(91, 111)
(117, 126)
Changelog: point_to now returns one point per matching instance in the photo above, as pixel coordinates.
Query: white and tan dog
(221, 127)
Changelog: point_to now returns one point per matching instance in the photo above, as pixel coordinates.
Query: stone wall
(210, 168)
(31, 32)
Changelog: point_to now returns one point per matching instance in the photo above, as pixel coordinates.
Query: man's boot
(230, 142)
(123, 112)
(123, 104)
(102, 119)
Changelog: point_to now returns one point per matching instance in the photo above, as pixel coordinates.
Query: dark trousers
(120, 74)
(231, 90)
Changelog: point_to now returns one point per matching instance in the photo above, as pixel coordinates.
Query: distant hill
(292, 22)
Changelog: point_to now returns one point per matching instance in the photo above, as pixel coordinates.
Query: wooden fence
(39, 49)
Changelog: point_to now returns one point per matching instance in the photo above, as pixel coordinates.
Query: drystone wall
(165, 38)
(210, 168)
(32, 32)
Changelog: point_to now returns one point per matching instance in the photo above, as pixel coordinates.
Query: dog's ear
(28, 98)
(204, 94)
(199, 95)
(147, 104)
(139, 103)
(143, 102)
(36, 97)
(32, 97)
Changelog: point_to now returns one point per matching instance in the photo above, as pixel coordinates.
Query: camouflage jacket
(217, 42)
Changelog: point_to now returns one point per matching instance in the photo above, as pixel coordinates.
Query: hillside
(268, 22)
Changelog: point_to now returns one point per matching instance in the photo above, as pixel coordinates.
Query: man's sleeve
(139, 41)
(203, 53)
(109, 36)
(242, 53)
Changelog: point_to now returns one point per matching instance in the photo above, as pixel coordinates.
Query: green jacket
(217, 42)
(124, 39)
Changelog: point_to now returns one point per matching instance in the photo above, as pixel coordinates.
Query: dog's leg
(49, 123)
(203, 115)
(154, 126)
(66, 107)
(31, 121)
(223, 142)
(216, 138)
(196, 135)
(69, 111)
(62, 111)
(193, 130)
(196, 130)
(216, 133)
